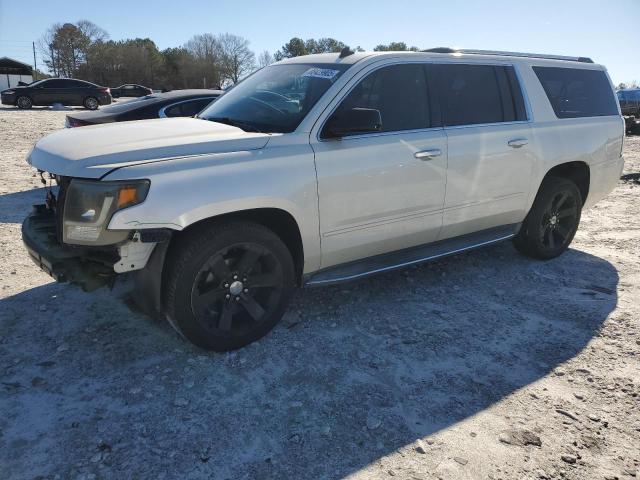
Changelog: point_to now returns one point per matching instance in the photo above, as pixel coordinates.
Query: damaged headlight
(89, 205)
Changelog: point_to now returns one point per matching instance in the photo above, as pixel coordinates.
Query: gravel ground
(485, 365)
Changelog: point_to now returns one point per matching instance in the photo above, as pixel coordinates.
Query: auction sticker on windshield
(327, 73)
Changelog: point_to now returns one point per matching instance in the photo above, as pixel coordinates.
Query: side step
(411, 256)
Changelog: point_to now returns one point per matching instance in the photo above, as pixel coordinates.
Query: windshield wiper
(247, 127)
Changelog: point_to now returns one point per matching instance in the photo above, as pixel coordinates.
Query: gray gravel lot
(485, 365)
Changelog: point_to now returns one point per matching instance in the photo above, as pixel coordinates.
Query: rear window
(575, 92)
(476, 94)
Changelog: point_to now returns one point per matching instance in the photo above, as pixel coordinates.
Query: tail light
(106, 90)
(71, 122)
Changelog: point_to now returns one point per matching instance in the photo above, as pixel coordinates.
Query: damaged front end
(88, 267)
(68, 238)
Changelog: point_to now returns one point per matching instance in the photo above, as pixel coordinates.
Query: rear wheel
(550, 226)
(24, 103)
(228, 285)
(91, 103)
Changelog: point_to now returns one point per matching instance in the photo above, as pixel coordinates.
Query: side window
(399, 92)
(190, 108)
(474, 94)
(55, 83)
(577, 92)
(76, 84)
(174, 110)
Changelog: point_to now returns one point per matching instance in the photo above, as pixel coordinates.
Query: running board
(411, 256)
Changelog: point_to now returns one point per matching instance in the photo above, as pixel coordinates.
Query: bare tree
(207, 54)
(237, 59)
(92, 32)
(264, 59)
(47, 50)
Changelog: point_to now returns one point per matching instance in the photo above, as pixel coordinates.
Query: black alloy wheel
(553, 220)
(227, 284)
(559, 221)
(236, 289)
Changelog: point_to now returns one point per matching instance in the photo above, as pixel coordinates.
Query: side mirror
(354, 121)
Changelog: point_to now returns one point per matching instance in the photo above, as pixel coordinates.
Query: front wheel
(228, 285)
(550, 226)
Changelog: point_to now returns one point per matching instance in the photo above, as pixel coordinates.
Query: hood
(93, 151)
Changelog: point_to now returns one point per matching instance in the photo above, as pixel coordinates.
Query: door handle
(517, 142)
(428, 154)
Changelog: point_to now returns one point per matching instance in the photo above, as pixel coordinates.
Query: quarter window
(399, 92)
(188, 108)
(475, 94)
(577, 92)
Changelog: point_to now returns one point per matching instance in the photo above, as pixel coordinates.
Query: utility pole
(35, 67)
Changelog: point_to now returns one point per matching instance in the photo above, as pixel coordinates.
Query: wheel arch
(281, 222)
(578, 172)
(150, 281)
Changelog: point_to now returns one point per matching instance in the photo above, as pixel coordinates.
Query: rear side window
(399, 92)
(187, 108)
(575, 92)
(476, 94)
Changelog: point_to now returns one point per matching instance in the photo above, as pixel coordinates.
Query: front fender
(186, 191)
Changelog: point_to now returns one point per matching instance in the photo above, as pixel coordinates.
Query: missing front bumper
(90, 268)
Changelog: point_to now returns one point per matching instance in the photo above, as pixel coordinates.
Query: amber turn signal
(127, 196)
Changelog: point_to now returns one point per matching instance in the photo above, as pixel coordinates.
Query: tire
(24, 103)
(553, 220)
(91, 103)
(227, 284)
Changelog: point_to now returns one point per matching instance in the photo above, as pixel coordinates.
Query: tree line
(84, 50)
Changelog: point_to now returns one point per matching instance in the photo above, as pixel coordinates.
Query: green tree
(395, 47)
(297, 47)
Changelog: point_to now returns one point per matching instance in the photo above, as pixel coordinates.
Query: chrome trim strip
(413, 262)
(492, 124)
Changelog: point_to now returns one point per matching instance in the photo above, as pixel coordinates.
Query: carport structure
(13, 71)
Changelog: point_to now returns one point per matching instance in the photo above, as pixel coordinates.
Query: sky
(605, 31)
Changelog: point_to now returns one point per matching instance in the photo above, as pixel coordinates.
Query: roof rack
(508, 54)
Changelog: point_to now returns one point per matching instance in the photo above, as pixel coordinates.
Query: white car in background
(327, 168)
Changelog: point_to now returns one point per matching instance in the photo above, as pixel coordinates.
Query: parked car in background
(130, 90)
(630, 101)
(67, 91)
(326, 168)
(176, 103)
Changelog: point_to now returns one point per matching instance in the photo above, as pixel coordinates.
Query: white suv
(326, 168)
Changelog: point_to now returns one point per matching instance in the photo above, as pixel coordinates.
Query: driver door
(382, 191)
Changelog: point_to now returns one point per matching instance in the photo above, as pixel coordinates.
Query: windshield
(276, 98)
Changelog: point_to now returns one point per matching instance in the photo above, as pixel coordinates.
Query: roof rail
(508, 54)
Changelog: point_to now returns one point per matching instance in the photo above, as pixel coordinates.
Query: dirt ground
(488, 365)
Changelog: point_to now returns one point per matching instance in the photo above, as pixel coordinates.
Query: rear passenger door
(75, 92)
(489, 159)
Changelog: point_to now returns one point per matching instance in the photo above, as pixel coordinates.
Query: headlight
(89, 205)
(9, 92)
